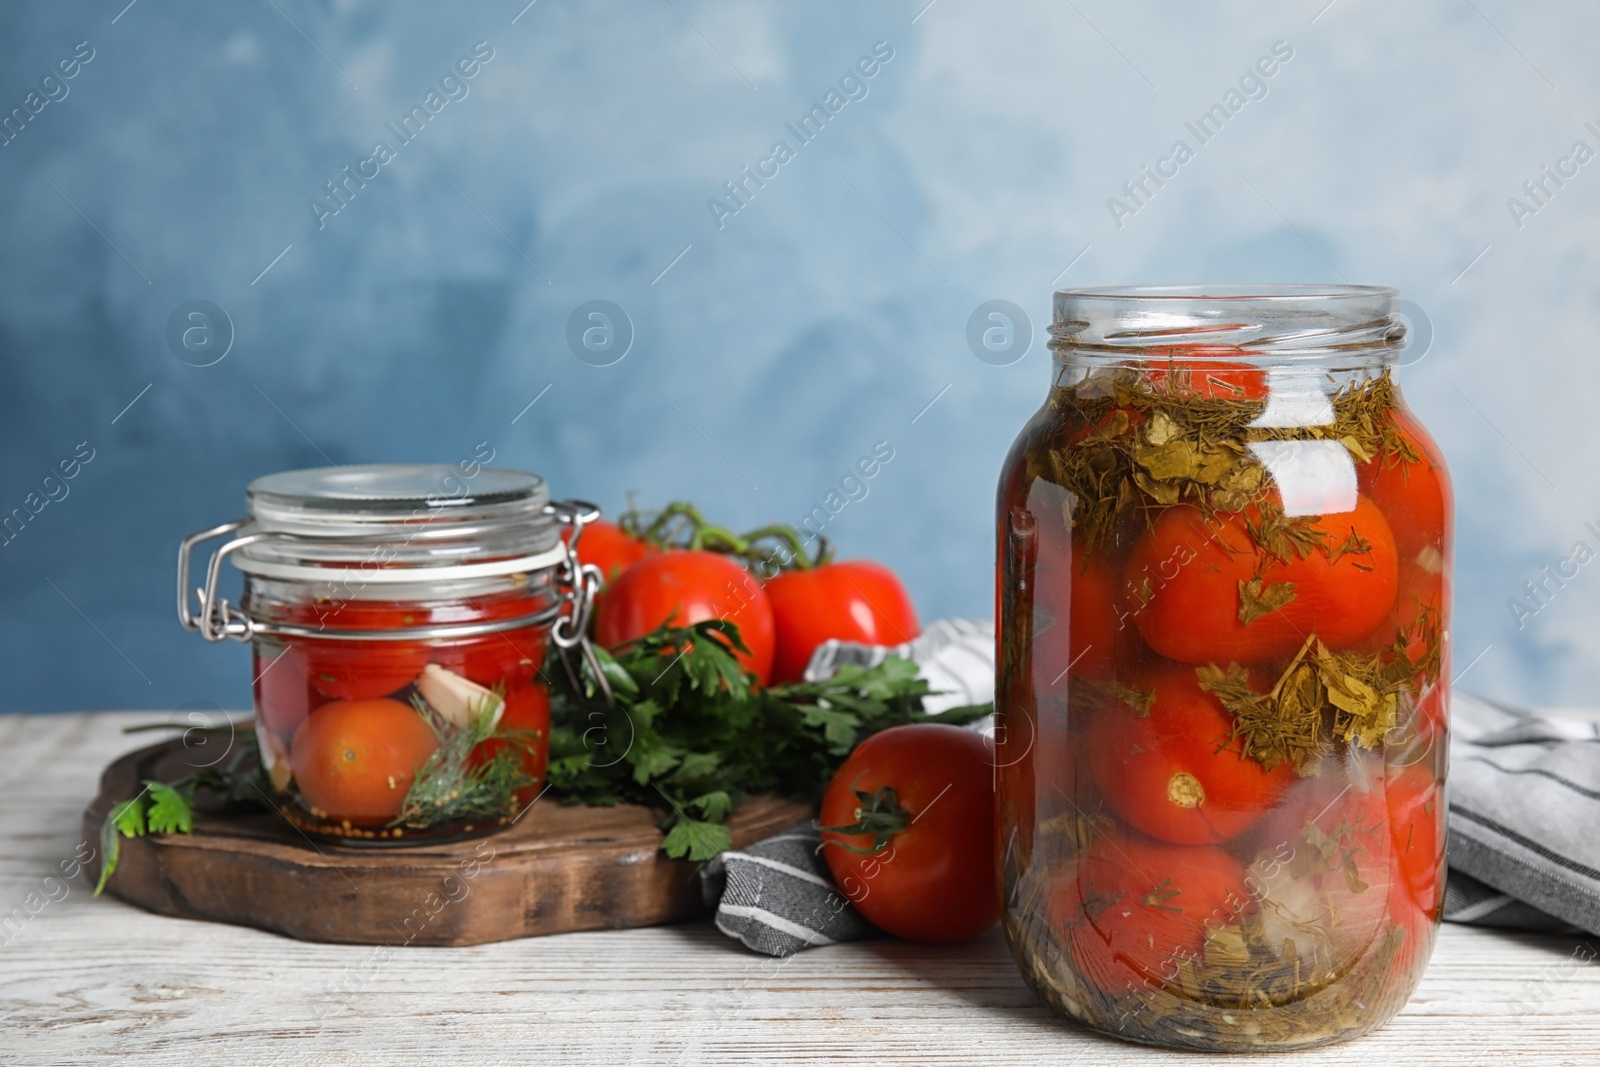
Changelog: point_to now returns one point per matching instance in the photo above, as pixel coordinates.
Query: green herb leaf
(168, 807)
(125, 819)
(128, 817)
(691, 734)
(170, 811)
(696, 840)
(614, 673)
(713, 806)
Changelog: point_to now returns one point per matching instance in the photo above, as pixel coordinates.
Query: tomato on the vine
(356, 759)
(1138, 909)
(609, 547)
(684, 588)
(856, 600)
(1173, 771)
(1205, 578)
(908, 832)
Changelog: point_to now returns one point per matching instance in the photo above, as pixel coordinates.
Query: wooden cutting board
(555, 870)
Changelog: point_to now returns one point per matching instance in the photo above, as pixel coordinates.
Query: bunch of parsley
(690, 734)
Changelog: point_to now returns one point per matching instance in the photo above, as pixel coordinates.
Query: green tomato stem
(879, 814)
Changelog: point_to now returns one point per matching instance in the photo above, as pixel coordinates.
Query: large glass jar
(1224, 597)
(399, 618)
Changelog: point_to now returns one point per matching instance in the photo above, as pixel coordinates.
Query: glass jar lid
(402, 532)
(398, 517)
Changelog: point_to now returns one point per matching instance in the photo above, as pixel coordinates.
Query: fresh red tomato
(1414, 496)
(1416, 819)
(1077, 621)
(1172, 772)
(1203, 372)
(850, 601)
(684, 588)
(925, 869)
(355, 759)
(527, 713)
(1136, 909)
(1342, 589)
(608, 547)
(283, 693)
(359, 670)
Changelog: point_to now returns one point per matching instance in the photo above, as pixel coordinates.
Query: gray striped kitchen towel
(954, 656)
(1524, 818)
(777, 895)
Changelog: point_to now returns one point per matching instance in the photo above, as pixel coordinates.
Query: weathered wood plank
(97, 981)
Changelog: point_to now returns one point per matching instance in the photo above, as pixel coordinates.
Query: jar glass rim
(1301, 322)
(1270, 291)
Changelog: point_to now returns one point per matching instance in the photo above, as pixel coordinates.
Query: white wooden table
(87, 981)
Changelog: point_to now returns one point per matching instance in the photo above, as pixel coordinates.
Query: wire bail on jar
(204, 611)
(401, 532)
(580, 583)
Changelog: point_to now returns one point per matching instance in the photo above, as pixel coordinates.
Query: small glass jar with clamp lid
(400, 617)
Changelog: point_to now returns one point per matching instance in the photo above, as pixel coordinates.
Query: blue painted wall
(775, 343)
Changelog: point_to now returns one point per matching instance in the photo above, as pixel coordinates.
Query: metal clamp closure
(579, 583)
(204, 611)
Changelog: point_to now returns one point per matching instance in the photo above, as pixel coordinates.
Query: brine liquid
(298, 679)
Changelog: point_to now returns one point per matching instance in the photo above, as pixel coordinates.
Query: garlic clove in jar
(457, 699)
(275, 757)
